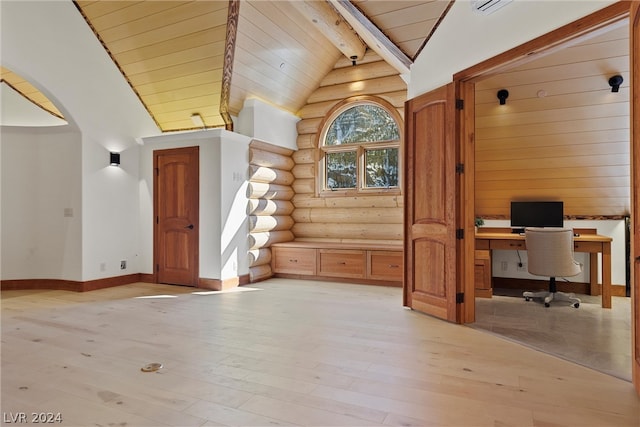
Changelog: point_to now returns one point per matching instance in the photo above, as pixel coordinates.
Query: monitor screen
(537, 214)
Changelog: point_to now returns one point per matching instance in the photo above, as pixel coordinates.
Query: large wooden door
(176, 204)
(430, 229)
(634, 57)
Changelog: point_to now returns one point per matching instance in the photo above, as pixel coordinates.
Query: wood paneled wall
(363, 218)
(562, 134)
(270, 205)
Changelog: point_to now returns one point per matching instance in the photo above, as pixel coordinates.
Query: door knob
(190, 226)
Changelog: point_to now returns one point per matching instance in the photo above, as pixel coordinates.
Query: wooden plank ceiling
(172, 53)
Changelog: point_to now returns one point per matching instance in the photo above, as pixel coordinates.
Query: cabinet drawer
(587, 246)
(385, 265)
(508, 244)
(482, 270)
(341, 263)
(294, 260)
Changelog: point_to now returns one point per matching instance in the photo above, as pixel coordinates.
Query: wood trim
(223, 284)
(340, 245)
(634, 48)
(109, 282)
(72, 285)
(52, 284)
(569, 217)
(148, 278)
(40, 106)
(466, 202)
(547, 43)
(229, 53)
(341, 279)
(433, 30)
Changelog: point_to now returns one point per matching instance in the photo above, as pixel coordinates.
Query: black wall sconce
(114, 159)
(615, 82)
(503, 94)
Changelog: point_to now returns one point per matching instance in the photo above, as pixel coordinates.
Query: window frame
(359, 148)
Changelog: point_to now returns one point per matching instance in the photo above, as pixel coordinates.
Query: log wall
(375, 218)
(270, 207)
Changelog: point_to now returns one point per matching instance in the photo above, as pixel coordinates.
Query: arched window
(359, 147)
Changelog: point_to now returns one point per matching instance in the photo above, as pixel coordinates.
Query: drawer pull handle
(517, 245)
(293, 260)
(342, 263)
(393, 266)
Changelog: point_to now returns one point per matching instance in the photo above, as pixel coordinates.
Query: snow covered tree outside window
(381, 167)
(362, 123)
(341, 170)
(360, 149)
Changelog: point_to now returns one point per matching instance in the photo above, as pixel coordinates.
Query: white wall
(110, 209)
(41, 204)
(224, 163)
(465, 38)
(73, 70)
(234, 224)
(267, 123)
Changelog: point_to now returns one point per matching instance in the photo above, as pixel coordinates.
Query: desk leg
(606, 275)
(593, 274)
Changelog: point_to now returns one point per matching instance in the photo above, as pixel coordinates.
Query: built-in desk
(489, 239)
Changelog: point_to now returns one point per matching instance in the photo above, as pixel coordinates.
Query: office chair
(550, 253)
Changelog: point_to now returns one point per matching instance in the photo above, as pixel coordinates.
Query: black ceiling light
(615, 82)
(503, 94)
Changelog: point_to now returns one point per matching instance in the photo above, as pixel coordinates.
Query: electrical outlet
(521, 266)
(504, 265)
(103, 266)
(123, 265)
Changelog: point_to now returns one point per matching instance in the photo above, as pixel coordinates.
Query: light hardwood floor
(287, 353)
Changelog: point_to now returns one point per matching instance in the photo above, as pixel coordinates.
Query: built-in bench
(369, 263)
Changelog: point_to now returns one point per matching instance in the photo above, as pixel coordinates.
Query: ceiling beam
(332, 26)
(372, 36)
(233, 15)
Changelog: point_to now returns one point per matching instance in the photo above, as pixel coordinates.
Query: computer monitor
(536, 214)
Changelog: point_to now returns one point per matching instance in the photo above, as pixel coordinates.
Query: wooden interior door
(430, 181)
(176, 203)
(634, 58)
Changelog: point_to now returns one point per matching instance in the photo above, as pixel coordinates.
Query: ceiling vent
(485, 7)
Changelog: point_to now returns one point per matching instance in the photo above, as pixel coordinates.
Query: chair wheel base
(549, 297)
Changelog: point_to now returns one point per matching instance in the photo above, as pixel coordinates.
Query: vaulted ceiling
(184, 58)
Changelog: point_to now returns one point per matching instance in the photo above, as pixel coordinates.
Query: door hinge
(460, 233)
(460, 168)
(157, 219)
(459, 104)
(157, 171)
(459, 297)
(157, 267)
